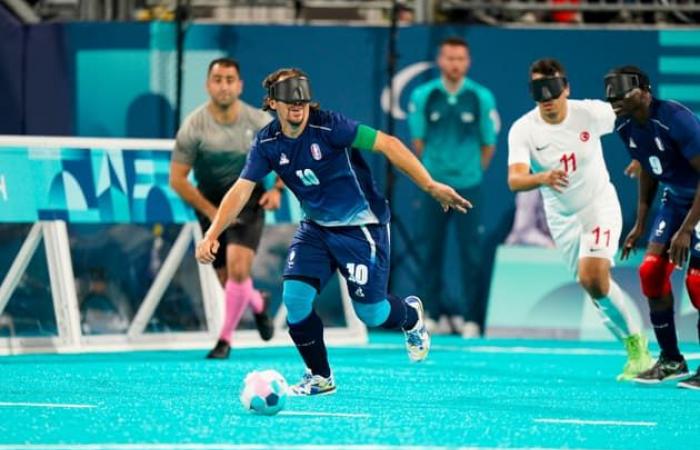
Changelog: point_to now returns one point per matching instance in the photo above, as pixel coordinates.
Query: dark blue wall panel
(11, 62)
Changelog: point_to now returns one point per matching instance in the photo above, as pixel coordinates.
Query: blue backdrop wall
(118, 80)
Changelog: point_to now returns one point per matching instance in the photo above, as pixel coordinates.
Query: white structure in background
(53, 235)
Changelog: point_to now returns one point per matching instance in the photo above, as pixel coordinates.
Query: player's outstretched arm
(401, 157)
(520, 178)
(230, 207)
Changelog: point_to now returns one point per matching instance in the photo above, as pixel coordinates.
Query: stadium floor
(477, 394)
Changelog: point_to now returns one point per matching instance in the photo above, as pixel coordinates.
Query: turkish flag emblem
(585, 136)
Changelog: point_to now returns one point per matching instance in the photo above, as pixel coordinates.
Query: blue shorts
(361, 253)
(668, 220)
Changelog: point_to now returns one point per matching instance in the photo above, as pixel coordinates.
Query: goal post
(92, 227)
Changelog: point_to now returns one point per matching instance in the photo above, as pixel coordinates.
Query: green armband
(365, 138)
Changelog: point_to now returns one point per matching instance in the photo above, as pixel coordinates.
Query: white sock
(618, 312)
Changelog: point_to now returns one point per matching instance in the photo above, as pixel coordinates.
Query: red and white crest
(585, 136)
(316, 152)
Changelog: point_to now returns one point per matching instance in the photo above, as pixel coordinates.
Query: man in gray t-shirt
(214, 141)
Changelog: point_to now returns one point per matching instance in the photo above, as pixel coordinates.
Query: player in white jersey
(556, 147)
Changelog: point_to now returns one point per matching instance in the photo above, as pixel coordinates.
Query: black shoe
(664, 370)
(264, 325)
(220, 351)
(692, 382)
(263, 322)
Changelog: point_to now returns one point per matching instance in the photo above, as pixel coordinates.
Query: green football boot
(638, 357)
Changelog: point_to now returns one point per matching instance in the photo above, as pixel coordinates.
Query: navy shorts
(361, 253)
(668, 220)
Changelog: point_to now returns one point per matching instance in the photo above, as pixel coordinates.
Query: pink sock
(236, 302)
(253, 296)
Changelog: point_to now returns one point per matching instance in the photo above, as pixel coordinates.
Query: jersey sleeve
(518, 147)
(257, 164)
(186, 144)
(489, 121)
(685, 130)
(416, 114)
(602, 115)
(342, 130)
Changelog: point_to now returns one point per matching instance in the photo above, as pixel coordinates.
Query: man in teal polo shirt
(453, 122)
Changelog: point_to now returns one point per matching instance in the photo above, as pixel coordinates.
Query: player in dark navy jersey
(346, 224)
(664, 136)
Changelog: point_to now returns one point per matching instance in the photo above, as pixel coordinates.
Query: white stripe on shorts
(372, 244)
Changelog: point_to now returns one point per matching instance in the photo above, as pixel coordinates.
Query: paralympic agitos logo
(399, 83)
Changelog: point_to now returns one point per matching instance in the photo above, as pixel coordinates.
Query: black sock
(308, 337)
(665, 330)
(401, 316)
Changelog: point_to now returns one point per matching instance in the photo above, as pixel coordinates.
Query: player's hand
(206, 249)
(448, 197)
(631, 241)
(271, 199)
(680, 246)
(556, 179)
(633, 169)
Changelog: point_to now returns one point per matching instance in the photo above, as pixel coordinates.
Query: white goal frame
(53, 237)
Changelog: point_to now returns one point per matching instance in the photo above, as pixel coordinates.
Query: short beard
(223, 105)
(295, 124)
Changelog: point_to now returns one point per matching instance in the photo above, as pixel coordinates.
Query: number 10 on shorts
(357, 273)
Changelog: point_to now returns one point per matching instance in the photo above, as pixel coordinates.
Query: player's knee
(298, 298)
(692, 283)
(655, 276)
(372, 314)
(596, 284)
(238, 276)
(238, 271)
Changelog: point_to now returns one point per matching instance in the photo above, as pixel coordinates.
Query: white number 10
(358, 273)
(308, 177)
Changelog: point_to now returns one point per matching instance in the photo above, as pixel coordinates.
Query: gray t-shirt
(217, 152)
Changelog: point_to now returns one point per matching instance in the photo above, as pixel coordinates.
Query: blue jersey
(665, 144)
(331, 180)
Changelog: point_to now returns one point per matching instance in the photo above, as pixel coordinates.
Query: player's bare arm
(633, 168)
(647, 188)
(520, 178)
(419, 146)
(487, 152)
(228, 211)
(185, 189)
(401, 157)
(272, 198)
(680, 243)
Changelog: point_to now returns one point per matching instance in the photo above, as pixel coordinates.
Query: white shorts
(592, 232)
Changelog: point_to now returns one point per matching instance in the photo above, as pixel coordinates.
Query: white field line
(524, 350)
(46, 405)
(517, 349)
(323, 414)
(617, 423)
(227, 446)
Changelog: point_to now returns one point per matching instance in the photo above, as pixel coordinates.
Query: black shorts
(246, 231)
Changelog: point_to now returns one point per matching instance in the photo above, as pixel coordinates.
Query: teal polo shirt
(454, 127)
